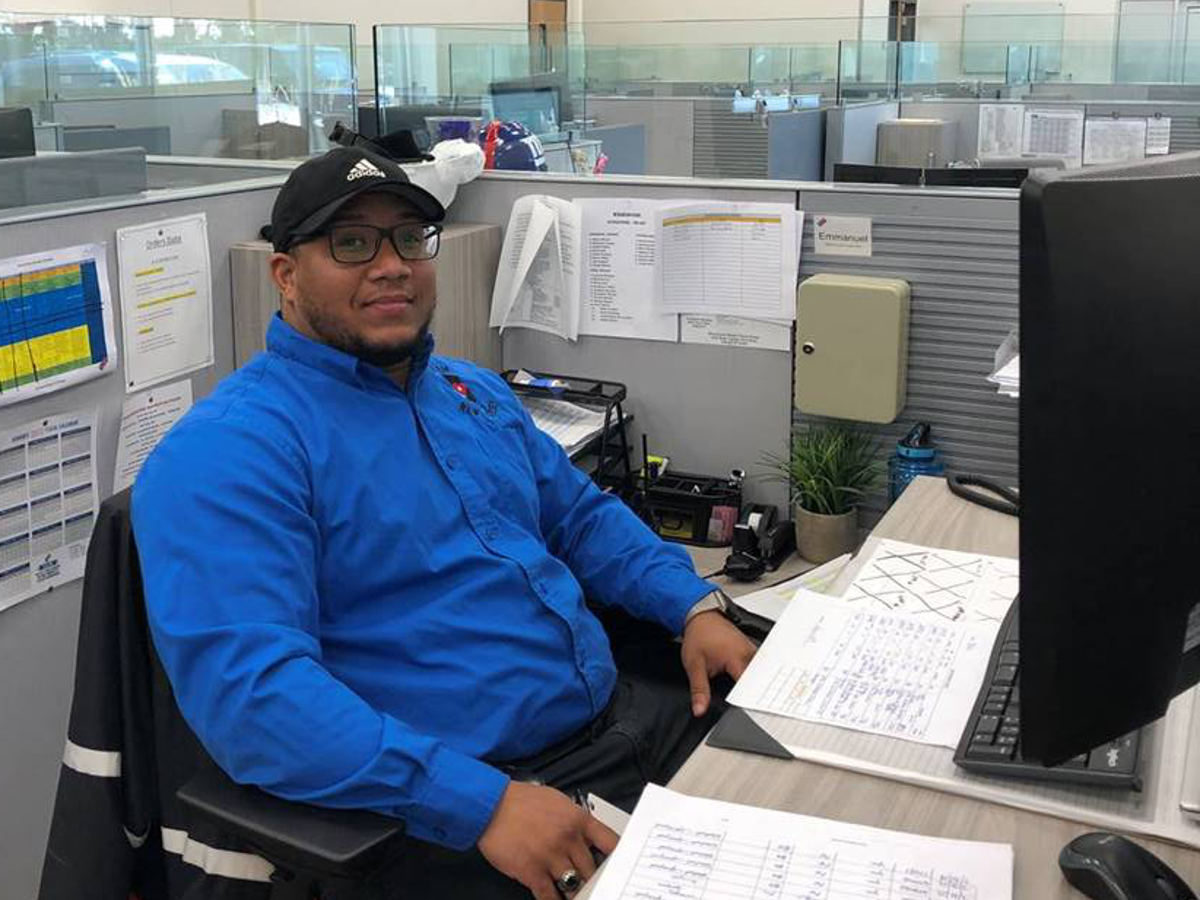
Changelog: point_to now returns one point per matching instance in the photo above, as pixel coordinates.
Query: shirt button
(450, 462)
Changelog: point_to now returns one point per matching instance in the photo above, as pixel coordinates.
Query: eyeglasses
(357, 244)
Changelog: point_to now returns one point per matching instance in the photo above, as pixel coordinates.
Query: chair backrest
(141, 807)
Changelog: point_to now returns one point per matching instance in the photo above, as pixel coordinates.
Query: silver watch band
(715, 599)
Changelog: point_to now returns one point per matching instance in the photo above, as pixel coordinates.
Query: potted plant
(828, 470)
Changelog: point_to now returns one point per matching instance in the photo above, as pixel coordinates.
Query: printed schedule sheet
(685, 848)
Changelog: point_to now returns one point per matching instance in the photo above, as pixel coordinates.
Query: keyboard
(991, 742)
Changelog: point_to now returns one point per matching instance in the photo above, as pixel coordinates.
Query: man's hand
(537, 833)
(711, 645)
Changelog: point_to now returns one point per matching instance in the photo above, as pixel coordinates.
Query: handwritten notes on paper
(685, 848)
(941, 585)
(882, 672)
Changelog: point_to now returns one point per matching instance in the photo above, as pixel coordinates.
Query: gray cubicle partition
(714, 408)
(850, 132)
(624, 145)
(964, 115)
(959, 251)
(709, 408)
(67, 177)
(796, 145)
(668, 123)
(196, 124)
(37, 637)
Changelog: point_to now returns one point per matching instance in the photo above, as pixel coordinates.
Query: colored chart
(55, 322)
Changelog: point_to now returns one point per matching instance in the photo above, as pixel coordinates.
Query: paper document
(568, 423)
(736, 331)
(934, 584)
(1000, 127)
(734, 259)
(617, 290)
(1158, 135)
(770, 602)
(48, 500)
(1154, 811)
(1053, 133)
(145, 418)
(58, 327)
(1008, 377)
(882, 672)
(537, 285)
(678, 847)
(1113, 140)
(166, 299)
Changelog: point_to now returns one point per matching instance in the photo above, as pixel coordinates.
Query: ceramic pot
(820, 538)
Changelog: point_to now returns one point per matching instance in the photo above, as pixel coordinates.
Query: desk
(927, 513)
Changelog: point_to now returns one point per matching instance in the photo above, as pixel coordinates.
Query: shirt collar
(285, 340)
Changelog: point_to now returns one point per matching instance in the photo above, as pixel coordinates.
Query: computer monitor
(16, 132)
(535, 108)
(867, 173)
(976, 178)
(1109, 450)
(556, 81)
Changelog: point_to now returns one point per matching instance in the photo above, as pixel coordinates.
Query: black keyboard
(991, 742)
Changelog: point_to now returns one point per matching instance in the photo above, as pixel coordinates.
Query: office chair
(142, 810)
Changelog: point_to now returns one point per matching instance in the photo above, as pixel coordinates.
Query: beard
(384, 356)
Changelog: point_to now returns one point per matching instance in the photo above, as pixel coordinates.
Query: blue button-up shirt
(361, 593)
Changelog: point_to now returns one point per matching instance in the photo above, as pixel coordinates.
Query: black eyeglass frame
(380, 233)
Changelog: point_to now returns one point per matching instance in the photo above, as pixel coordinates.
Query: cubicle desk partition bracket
(610, 448)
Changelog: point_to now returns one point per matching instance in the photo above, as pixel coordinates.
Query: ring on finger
(568, 882)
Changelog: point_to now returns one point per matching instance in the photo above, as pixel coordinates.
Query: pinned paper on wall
(1113, 140)
(48, 501)
(1158, 135)
(166, 299)
(58, 328)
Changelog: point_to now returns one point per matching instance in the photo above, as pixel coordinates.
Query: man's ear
(283, 272)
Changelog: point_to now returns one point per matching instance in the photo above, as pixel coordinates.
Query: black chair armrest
(294, 836)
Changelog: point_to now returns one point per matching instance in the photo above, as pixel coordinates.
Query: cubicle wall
(722, 407)
(959, 251)
(704, 137)
(708, 408)
(37, 637)
(195, 125)
(850, 132)
(964, 116)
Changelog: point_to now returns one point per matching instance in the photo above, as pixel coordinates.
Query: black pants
(645, 734)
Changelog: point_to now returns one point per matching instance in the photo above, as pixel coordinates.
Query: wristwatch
(717, 600)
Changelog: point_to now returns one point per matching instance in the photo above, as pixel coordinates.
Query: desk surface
(927, 513)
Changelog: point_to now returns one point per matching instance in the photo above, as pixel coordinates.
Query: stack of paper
(638, 268)
(679, 846)
(568, 423)
(1008, 377)
(902, 653)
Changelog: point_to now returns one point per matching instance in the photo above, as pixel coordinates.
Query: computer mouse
(1110, 867)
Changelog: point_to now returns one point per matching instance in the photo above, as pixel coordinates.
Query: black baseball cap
(319, 187)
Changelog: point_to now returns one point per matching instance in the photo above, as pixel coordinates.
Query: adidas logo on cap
(364, 169)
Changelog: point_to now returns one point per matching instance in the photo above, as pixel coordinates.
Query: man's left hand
(711, 645)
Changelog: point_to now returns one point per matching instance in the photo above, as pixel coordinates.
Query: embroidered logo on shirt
(364, 169)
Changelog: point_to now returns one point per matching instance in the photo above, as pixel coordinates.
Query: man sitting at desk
(365, 570)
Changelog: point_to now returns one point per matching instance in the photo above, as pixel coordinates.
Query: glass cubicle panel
(188, 87)
(712, 87)
(867, 70)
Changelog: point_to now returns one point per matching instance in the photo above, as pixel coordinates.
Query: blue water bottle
(915, 455)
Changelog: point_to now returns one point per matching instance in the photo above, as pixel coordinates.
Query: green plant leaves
(829, 468)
